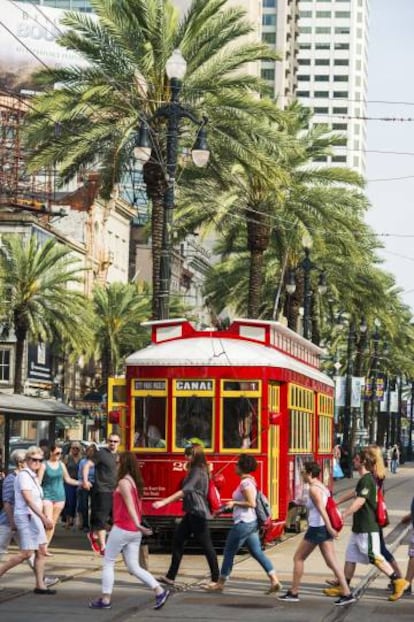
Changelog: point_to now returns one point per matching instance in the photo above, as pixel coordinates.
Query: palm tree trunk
(155, 182)
(18, 363)
(258, 238)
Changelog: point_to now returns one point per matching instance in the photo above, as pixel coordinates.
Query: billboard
(28, 43)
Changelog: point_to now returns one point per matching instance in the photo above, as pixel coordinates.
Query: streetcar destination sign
(194, 385)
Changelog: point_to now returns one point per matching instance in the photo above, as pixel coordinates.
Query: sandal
(274, 588)
(332, 582)
(166, 581)
(215, 587)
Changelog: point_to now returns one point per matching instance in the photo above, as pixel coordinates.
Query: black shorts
(101, 509)
(317, 535)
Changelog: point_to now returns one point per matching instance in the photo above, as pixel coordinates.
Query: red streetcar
(255, 387)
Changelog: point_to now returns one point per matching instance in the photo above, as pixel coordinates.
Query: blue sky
(391, 55)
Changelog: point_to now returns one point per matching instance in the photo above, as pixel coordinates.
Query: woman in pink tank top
(126, 534)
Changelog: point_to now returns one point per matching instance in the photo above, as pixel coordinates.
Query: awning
(12, 403)
(67, 422)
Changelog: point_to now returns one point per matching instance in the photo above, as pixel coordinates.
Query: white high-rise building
(332, 74)
(324, 48)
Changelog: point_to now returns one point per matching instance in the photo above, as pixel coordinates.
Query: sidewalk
(80, 571)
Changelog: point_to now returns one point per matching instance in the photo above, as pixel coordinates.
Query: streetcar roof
(218, 352)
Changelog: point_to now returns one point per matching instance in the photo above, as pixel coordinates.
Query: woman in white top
(319, 533)
(30, 520)
(245, 529)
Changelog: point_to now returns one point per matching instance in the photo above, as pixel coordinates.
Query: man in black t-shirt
(105, 464)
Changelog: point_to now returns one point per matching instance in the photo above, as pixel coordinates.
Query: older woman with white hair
(30, 520)
(7, 526)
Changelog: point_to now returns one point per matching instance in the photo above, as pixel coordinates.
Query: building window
(323, 14)
(341, 61)
(322, 46)
(340, 94)
(340, 110)
(321, 93)
(320, 159)
(340, 78)
(5, 364)
(322, 78)
(305, 30)
(319, 110)
(303, 93)
(269, 20)
(342, 30)
(341, 46)
(304, 61)
(322, 61)
(338, 158)
(339, 126)
(303, 78)
(268, 74)
(269, 37)
(269, 4)
(305, 46)
(343, 14)
(323, 30)
(305, 13)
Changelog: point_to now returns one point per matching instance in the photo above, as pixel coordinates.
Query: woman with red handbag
(320, 533)
(375, 453)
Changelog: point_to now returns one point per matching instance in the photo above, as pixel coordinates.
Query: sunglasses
(36, 459)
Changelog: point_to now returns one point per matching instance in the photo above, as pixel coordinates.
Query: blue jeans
(239, 534)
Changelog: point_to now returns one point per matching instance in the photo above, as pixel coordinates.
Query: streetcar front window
(240, 429)
(194, 420)
(150, 422)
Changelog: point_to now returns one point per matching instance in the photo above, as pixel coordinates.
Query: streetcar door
(274, 457)
(274, 448)
(117, 409)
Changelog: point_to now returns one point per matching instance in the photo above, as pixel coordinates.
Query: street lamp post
(374, 407)
(410, 429)
(307, 266)
(348, 420)
(172, 112)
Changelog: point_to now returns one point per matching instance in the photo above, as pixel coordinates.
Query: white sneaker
(49, 581)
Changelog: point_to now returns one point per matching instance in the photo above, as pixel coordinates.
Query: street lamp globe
(200, 152)
(291, 283)
(307, 241)
(176, 65)
(143, 147)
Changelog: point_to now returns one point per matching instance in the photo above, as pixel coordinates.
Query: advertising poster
(28, 43)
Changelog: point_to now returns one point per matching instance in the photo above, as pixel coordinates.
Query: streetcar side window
(240, 426)
(194, 420)
(150, 422)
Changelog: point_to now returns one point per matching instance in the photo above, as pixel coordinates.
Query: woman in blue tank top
(52, 475)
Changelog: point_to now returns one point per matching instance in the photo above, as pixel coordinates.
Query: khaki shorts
(364, 548)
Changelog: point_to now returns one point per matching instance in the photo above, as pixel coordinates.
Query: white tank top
(314, 517)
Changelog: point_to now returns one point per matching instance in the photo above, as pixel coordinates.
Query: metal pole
(169, 197)
(348, 397)
(410, 429)
(374, 387)
(307, 267)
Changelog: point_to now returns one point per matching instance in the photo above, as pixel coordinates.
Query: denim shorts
(317, 535)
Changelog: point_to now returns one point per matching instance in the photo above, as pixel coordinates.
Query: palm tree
(37, 301)
(296, 196)
(118, 310)
(99, 107)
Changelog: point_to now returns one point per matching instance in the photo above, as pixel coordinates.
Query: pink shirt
(121, 516)
(244, 514)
